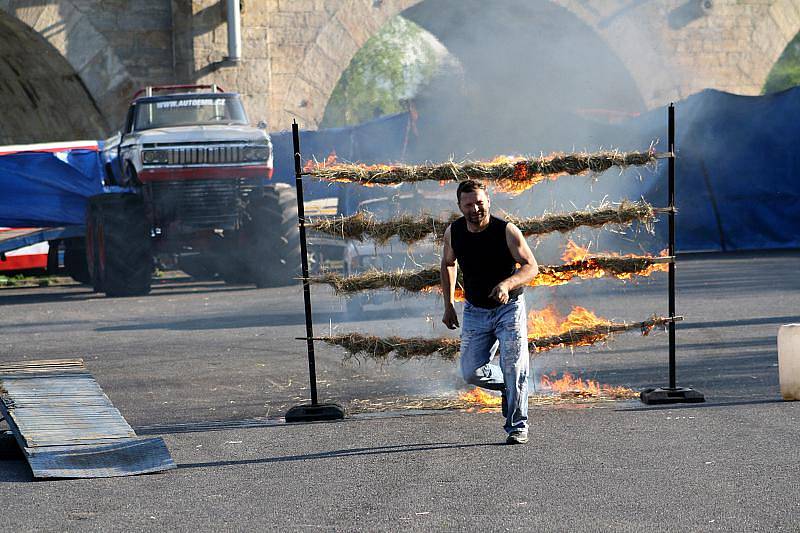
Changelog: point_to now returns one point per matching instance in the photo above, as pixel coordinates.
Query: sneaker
(517, 437)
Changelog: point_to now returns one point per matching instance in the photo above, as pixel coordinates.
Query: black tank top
(484, 259)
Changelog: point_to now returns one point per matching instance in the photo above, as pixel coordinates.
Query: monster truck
(195, 177)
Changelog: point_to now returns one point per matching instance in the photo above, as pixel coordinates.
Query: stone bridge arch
(61, 78)
(294, 51)
(671, 48)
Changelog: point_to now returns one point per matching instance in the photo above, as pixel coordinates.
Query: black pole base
(313, 412)
(664, 395)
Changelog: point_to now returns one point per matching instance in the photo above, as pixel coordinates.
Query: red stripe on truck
(50, 147)
(23, 262)
(204, 173)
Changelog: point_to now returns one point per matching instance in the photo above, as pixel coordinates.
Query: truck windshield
(189, 111)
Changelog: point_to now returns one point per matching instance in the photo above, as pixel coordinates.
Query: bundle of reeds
(510, 174)
(412, 281)
(600, 266)
(590, 335)
(379, 348)
(411, 229)
(621, 214)
(428, 279)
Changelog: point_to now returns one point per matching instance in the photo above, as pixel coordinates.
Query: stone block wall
(294, 51)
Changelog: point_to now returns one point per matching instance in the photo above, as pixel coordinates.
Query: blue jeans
(481, 329)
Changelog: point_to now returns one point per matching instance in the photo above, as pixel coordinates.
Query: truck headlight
(255, 153)
(155, 157)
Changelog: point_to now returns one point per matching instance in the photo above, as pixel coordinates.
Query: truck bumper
(149, 175)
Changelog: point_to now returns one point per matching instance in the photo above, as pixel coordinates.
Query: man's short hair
(469, 186)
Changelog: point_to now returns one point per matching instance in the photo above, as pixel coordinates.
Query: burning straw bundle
(599, 266)
(379, 348)
(511, 174)
(412, 229)
(591, 335)
(428, 279)
(468, 402)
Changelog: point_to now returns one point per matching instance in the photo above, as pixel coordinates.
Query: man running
(489, 250)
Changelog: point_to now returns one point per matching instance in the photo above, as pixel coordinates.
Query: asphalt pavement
(212, 368)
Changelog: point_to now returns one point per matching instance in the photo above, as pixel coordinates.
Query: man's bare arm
(522, 254)
(449, 271)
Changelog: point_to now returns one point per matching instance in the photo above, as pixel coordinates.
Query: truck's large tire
(118, 245)
(270, 243)
(200, 266)
(75, 263)
(92, 260)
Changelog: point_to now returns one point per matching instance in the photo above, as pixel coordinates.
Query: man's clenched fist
(450, 318)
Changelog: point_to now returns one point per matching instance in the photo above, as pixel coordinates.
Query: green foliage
(21, 280)
(786, 72)
(388, 69)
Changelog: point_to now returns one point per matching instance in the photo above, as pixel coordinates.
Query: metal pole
(301, 217)
(671, 394)
(234, 31)
(671, 141)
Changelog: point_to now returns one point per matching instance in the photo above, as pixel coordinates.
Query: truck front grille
(200, 204)
(198, 155)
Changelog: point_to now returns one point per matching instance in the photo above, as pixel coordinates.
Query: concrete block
(789, 361)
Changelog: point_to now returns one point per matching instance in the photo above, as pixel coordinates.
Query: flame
(544, 322)
(568, 386)
(313, 164)
(458, 295)
(574, 252)
(547, 322)
(590, 268)
(481, 397)
(522, 179)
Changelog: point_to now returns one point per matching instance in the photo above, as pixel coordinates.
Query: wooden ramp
(67, 426)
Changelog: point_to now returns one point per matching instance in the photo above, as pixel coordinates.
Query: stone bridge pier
(68, 68)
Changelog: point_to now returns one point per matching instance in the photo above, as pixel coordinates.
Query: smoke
(533, 76)
(532, 79)
(523, 78)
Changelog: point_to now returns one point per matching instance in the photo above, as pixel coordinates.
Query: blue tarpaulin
(45, 189)
(738, 184)
(740, 155)
(378, 141)
(737, 169)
